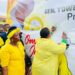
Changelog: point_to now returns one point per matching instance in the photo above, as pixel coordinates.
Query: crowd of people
(49, 58)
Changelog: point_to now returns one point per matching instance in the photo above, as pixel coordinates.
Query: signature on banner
(31, 41)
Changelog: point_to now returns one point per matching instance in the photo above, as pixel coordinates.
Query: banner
(54, 13)
(35, 14)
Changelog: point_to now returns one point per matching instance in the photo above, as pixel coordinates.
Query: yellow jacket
(1, 42)
(13, 58)
(63, 65)
(45, 60)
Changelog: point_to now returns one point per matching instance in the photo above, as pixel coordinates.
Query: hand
(64, 36)
(53, 29)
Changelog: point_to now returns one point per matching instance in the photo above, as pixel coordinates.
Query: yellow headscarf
(13, 32)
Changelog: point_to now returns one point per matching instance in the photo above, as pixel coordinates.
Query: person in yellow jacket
(12, 54)
(45, 60)
(63, 63)
(1, 42)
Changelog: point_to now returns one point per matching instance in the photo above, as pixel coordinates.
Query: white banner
(60, 13)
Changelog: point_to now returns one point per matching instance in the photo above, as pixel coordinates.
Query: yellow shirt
(1, 42)
(45, 60)
(13, 58)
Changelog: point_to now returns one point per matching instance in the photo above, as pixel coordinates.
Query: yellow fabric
(45, 60)
(1, 42)
(63, 65)
(13, 58)
(13, 32)
(7, 41)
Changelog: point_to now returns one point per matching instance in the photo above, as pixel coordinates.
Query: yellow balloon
(37, 19)
(27, 27)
